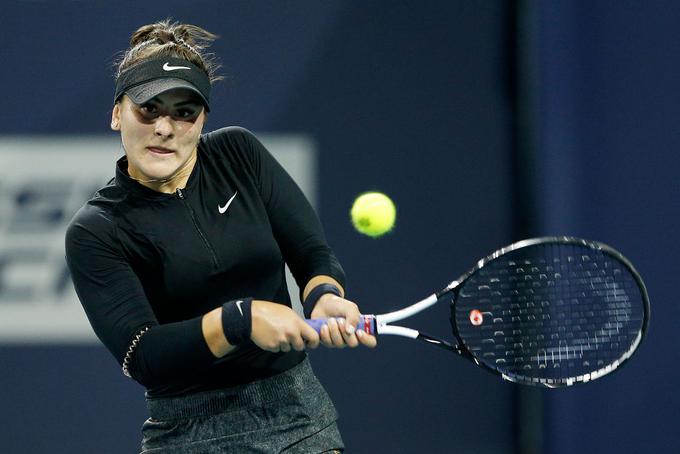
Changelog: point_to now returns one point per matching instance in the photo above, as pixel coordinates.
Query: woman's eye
(148, 108)
(185, 113)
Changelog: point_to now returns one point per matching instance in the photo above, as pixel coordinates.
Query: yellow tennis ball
(373, 214)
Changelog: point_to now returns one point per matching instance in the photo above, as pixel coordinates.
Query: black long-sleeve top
(143, 259)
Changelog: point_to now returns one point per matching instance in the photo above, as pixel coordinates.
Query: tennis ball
(373, 214)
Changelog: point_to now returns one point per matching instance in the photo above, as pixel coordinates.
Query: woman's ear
(115, 117)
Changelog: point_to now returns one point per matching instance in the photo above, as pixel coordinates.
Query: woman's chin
(158, 172)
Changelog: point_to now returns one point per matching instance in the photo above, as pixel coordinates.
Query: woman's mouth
(160, 150)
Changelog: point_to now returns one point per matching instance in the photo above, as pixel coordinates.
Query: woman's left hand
(343, 317)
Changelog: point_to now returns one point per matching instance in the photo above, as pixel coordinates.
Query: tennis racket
(548, 312)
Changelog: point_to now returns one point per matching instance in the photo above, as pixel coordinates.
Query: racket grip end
(366, 324)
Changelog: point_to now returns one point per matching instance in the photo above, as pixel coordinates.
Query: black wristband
(315, 294)
(237, 320)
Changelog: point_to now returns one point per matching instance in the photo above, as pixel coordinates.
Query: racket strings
(551, 313)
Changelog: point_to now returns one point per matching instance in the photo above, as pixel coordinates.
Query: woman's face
(161, 136)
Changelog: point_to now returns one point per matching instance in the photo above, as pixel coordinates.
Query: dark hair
(170, 39)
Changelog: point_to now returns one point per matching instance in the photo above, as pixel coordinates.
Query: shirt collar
(124, 180)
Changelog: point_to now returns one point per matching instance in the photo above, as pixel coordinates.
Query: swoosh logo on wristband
(238, 304)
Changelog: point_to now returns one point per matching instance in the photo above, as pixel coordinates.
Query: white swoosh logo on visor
(223, 209)
(167, 67)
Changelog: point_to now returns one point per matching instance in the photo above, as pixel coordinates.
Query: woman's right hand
(278, 328)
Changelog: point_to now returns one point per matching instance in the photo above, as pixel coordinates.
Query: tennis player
(179, 265)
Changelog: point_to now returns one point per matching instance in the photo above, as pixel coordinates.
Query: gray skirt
(287, 413)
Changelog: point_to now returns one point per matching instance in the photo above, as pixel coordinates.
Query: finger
(352, 315)
(348, 335)
(309, 334)
(336, 337)
(274, 348)
(325, 336)
(366, 340)
(297, 343)
(310, 338)
(294, 339)
(284, 346)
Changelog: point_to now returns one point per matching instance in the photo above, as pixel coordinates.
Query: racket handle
(366, 323)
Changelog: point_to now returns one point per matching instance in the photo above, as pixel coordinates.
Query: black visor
(149, 79)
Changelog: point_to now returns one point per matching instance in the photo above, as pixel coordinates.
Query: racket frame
(382, 326)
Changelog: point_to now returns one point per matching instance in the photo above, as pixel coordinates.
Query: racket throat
(439, 343)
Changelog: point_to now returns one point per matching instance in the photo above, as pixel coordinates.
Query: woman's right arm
(116, 305)
(158, 355)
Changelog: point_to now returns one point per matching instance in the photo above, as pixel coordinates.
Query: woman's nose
(164, 126)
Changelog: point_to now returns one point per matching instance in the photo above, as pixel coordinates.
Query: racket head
(551, 311)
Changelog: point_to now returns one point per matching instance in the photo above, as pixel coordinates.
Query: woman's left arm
(300, 236)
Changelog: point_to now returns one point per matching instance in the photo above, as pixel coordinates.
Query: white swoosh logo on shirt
(238, 304)
(223, 209)
(167, 67)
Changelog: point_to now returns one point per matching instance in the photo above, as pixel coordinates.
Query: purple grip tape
(366, 323)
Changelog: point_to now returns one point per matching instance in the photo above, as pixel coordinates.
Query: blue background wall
(607, 104)
(418, 99)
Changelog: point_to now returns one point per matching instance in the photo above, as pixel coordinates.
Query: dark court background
(485, 121)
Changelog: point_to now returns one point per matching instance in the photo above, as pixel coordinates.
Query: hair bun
(164, 36)
(184, 33)
(172, 32)
(170, 39)
(142, 34)
(158, 32)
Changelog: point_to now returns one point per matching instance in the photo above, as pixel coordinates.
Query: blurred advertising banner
(44, 180)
